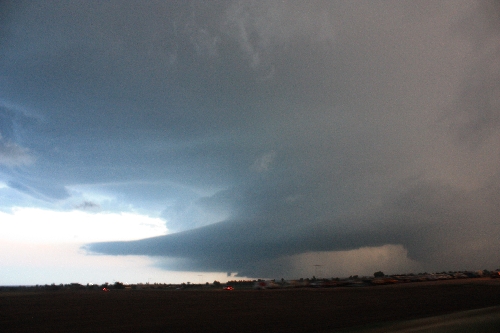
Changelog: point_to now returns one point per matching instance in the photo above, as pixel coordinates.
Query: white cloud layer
(33, 225)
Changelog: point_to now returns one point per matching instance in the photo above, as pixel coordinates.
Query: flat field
(287, 310)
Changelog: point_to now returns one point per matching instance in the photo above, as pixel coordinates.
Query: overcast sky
(180, 141)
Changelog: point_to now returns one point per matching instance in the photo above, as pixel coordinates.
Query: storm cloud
(262, 130)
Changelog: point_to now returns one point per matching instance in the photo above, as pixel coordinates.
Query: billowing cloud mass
(267, 135)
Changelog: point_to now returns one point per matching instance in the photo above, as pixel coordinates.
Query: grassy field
(291, 310)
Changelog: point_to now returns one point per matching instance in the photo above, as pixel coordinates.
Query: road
(485, 320)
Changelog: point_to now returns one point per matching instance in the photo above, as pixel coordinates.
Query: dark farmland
(290, 310)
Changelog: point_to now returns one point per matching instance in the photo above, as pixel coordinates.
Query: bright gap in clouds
(40, 246)
(36, 225)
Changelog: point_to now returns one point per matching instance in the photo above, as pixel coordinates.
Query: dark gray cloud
(479, 103)
(88, 206)
(262, 130)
